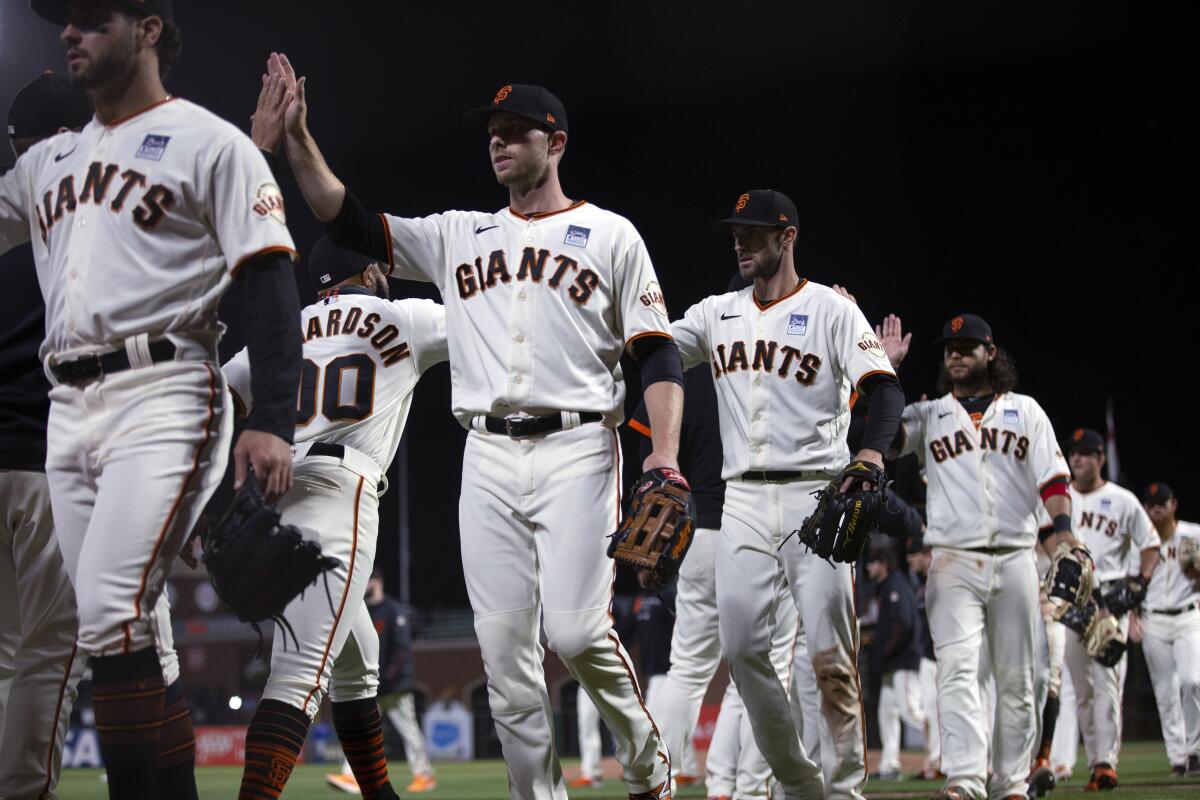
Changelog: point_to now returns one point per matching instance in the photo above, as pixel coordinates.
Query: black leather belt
(995, 551)
(774, 476)
(327, 449)
(1174, 612)
(520, 427)
(92, 366)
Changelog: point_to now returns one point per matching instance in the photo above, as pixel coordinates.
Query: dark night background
(1021, 162)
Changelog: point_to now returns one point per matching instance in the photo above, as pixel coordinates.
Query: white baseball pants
(899, 702)
(590, 749)
(1172, 648)
(929, 705)
(973, 599)
(535, 515)
(751, 564)
(1098, 694)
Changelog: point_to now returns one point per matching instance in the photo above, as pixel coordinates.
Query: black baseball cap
(966, 326)
(881, 548)
(765, 207)
(57, 11)
(532, 102)
(45, 105)
(914, 544)
(1157, 492)
(329, 265)
(1086, 439)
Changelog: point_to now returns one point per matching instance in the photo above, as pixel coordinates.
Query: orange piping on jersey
(62, 690)
(764, 306)
(139, 112)
(634, 338)
(644, 430)
(543, 214)
(874, 372)
(162, 533)
(342, 604)
(293, 256)
(387, 231)
(240, 405)
(853, 399)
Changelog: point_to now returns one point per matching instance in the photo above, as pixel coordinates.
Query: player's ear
(990, 350)
(557, 142)
(789, 236)
(149, 29)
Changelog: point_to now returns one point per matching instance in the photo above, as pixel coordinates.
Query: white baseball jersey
(985, 480)
(1114, 526)
(578, 281)
(1169, 587)
(784, 373)
(363, 356)
(138, 225)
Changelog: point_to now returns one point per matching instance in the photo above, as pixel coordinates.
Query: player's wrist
(870, 456)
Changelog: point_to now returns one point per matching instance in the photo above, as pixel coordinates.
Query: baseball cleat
(889, 775)
(932, 774)
(660, 792)
(422, 783)
(1062, 773)
(1104, 778)
(342, 781)
(584, 782)
(952, 793)
(1193, 765)
(1178, 771)
(686, 780)
(1041, 778)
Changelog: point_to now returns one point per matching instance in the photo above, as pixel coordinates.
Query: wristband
(1062, 523)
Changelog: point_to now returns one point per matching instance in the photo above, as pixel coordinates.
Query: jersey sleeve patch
(267, 203)
(872, 346)
(652, 297)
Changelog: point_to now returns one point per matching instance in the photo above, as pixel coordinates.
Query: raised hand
(296, 115)
(266, 124)
(895, 342)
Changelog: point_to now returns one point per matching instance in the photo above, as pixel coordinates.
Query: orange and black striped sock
(360, 731)
(127, 695)
(273, 743)
(175, 769)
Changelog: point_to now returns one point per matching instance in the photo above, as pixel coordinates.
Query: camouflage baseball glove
(841, 524)
(1101, 636)
(1126, 595)
(656, 534)
(1188, 552)
(257, 565)
(1070, 575)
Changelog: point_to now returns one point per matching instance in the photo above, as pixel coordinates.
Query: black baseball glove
(1101, 637)
(841, 524)
(656, 534)
(1125, 595)
(257, 565)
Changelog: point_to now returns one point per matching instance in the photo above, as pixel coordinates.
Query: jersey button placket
(520, 329)
(759, 397)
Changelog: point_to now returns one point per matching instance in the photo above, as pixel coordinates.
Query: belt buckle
(77, 370)
(510, 430)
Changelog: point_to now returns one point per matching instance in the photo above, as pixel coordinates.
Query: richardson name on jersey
(105, 184)
(472, 279)
(355, 324)
(766, 355)
(994, 439)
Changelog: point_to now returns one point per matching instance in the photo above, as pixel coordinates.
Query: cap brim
(477, 118)
(941, 340)
(51, 10)
(723, 225)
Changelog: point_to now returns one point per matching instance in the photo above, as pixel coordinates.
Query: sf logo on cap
(956, 324)
(501, 95)
(741, 203)
(1078, 434)
(1154, 490)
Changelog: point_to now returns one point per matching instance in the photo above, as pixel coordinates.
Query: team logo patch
(1011, 416)
(652, 297)
(797, 324)
(1106, 504)
(267, 203)
(153, 147)
(577, 236)
(326, 279)
(871, 346)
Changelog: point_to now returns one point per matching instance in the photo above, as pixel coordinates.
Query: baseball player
(1112, 523)
(392, 621)
(542, 298)
(363, 356)
(1170, 630)
(991, 460)
(896, 656)
(786, 354)
(1050, 648)
(139, 223)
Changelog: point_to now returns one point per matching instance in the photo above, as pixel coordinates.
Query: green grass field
(1144, 775)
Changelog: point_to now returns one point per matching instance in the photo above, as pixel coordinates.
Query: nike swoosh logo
(64, 155)
(729, 316)
(943, 416)
(488, 228)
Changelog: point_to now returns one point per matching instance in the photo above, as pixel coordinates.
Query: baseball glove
(1070, 575)
(656, 534)
(1125, 595)
(257, 565)
(1101, 636)
(1188, 553)
(840, 525)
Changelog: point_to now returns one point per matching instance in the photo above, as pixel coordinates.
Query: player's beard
(974, 382)
(764, 266)
(115, 66)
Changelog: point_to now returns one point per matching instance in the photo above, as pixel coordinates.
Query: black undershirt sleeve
(887, 406)
(354, 228)
(272, 311)
(659, 360)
